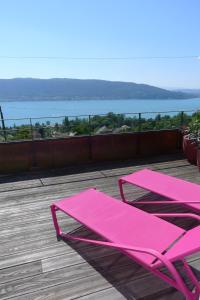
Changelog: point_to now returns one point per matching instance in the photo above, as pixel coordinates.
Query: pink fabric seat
(120, 223)
(176, 189)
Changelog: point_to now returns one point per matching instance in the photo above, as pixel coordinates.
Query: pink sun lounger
(144, 238)
(178, 190)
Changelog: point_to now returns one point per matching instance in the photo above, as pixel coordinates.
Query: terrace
(34, 265)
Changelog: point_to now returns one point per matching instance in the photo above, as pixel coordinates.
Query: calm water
(36, 109)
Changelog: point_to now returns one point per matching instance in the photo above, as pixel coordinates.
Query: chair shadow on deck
(131, 280)
(185, 223)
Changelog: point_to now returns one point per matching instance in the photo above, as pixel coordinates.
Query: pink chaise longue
(152, 241)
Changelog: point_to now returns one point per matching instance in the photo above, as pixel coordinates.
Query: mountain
(67, 89)
(190, 91)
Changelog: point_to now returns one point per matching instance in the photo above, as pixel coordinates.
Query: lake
(36, 109)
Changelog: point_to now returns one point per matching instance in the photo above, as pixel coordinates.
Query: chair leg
(120, 183)
(193, 279)
(182, 287)
(55, 221)
(178, 283)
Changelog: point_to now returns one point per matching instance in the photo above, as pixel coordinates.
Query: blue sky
(102, 28)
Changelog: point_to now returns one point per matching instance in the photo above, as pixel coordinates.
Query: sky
(102, 29)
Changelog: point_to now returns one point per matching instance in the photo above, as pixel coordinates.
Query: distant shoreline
(92, 99)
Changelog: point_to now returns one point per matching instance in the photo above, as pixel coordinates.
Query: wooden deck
(34, 266)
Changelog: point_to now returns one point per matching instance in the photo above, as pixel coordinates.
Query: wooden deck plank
(74, 174)
(76, 271)
(20, 271)
(154, 166)
(147, 287)
(12, 186)
(109, 274)
(106, 294)
(72, 178)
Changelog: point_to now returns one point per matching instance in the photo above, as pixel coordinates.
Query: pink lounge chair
(178, 190)
(154, 242)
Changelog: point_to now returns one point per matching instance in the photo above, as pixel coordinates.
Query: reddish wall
(159, 142)
(114, 146)
(22, 156)
(15, 157)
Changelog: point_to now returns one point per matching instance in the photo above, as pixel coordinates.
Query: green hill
(67, 89)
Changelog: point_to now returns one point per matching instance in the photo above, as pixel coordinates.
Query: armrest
(152, 252)
(165, 202)
(178, 215)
